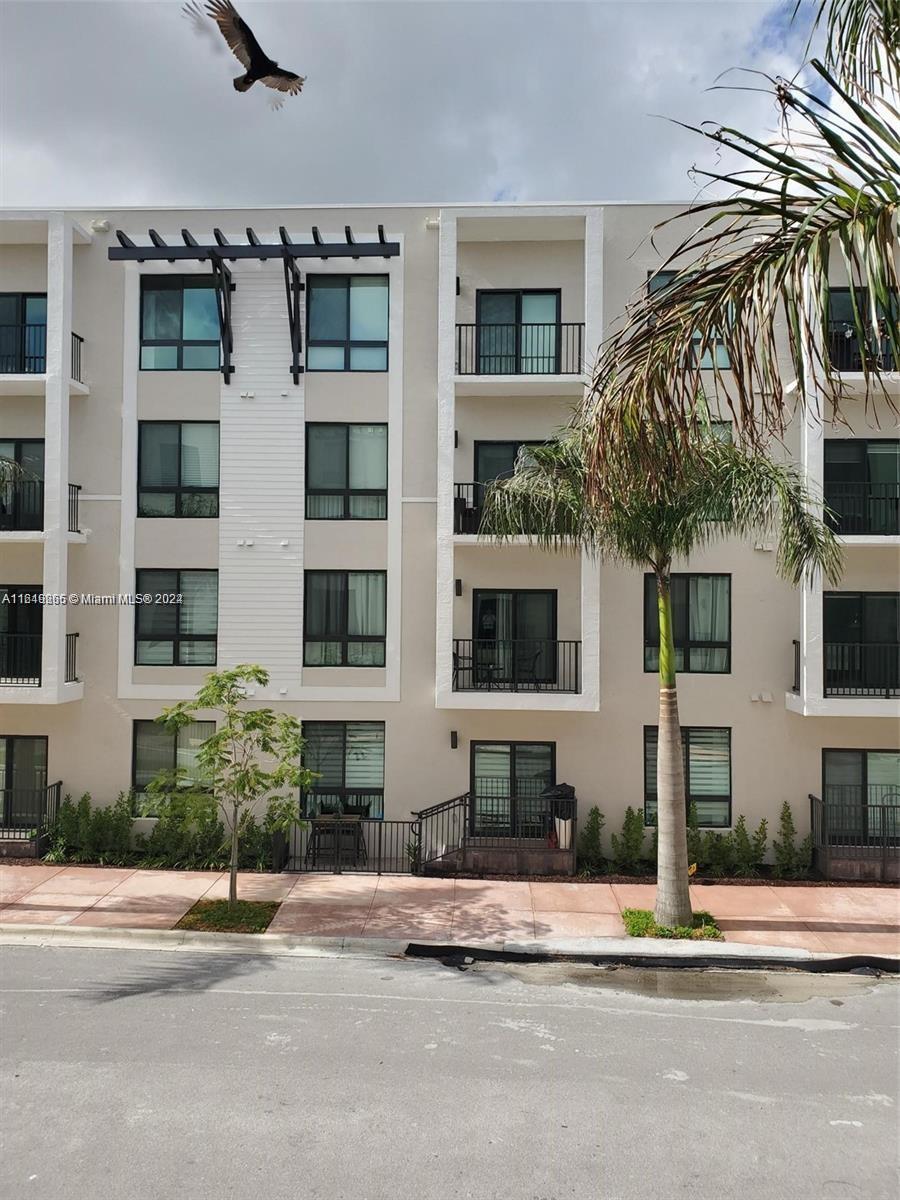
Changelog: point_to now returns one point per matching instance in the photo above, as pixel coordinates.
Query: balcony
(524, 665)
(864, 508)
(862, 669)
(20, 660)
(23, 356)
(847, 354)
(22, 506)
(520, 349)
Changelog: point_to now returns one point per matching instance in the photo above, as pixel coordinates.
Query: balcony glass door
(23, 333)
(518, 332)
(862, 485)
(23, 780)
(21, 621)
(515, 638)
(507, 781)
(22, 487)
(862, 643)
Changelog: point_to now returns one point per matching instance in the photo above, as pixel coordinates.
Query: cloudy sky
(121, 102)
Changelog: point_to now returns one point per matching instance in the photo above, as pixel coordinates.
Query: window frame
(178, 637)
(345, 638)
(179, 283)
(518, 293)
(347, 492)
(688, 797)
(349, 343)
(343, 791)
(689, 644)
(136, 792)
(179, 489)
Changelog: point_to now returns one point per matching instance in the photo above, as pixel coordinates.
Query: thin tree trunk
(233, 866)
(673, 900)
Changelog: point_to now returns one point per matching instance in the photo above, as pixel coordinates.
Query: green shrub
(82, 833)
(717, 857)
(791, 861)
(590, 844)
(628, 850)
(749, 849)
(694, 836)
(187, 834)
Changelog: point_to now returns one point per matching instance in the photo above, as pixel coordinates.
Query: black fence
(27, 813)
(71, 658)
(795, 686)
(77, 347)
(353, 844)
(516, 665)
(520, 349)
(856, 824)
(862, 669)
(22, 504)
(23, 349)
(847, 354)
(856, 508)
(20, 659)
(74, 494)
(468, 504)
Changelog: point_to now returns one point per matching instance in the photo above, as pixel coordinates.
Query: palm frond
(857, 32)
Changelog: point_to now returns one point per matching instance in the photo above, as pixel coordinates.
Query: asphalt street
(153, 1075)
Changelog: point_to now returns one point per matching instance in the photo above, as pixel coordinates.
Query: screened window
(178, 626)
(348, 757)
(707, 774)
(156, 749)
(179, 323)
(344, 618)
(346, 472)
(178, 469)
(861, 791)
(347, 323)
(701, 619)
(661, 280)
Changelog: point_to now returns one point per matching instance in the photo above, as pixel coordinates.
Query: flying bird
(259, 68)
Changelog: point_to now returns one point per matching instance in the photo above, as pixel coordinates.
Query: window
(507, 781)
(23, 781)
(179, 323)
(344, 618)
(518, 332)
(862, 485)
(659, 280)
(178, 469)
(23, 333)
(497, 460)
(862, 643)
(346, 472)
(155, 749)
(707, 774)
(348, 757)
(861, 792)
(844, 347)
(347, 323)
(22, 498)
(701, 619)
(178, 626)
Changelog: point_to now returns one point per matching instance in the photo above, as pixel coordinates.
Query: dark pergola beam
(262, 252)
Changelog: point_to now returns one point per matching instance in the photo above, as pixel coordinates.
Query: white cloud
(121, 103)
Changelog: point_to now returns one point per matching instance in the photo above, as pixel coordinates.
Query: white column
(812, 460)
(446, 396)
(56, 447)
(590, 568)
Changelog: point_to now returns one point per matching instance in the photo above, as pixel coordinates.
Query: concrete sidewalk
(849, 920)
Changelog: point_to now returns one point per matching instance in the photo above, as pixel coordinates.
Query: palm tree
(759, 260)
(722, 490)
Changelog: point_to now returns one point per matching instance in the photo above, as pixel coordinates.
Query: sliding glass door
(515, 637)
(23, 779)
(507, 781)
(518, 332)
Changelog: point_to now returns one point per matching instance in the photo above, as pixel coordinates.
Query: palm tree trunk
(233, 865)
(673, 900)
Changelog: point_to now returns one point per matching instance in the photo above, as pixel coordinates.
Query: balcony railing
(27, 813)
(71, 658)
(554, 349)
(795, 686)
(20, 660)
(74, 493)
(862, 669)
(846, 354)
(22, 504)
(23, 349)
(520, 665)
(77, 347)
(468, 506)
(852, 822)
(864, 508)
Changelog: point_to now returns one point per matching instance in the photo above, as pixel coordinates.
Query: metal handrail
(549, 348)
(516, 665)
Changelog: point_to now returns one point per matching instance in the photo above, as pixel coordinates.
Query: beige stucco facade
(597, 257)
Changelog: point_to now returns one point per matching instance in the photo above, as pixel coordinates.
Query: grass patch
(639, 922)
(218, 916)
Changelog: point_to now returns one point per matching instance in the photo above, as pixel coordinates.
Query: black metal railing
(556, 348)
(23, 349)
(519, 665)
(77, 348)
(863, 507)
(74, 494)
(847, 355)
(795, 686)
(441, 834)
(22, 504)
(353, 844)
(468, 505)
(71, 658)
(862, 668)
(20, 659)
(28, 813)
(852, 822)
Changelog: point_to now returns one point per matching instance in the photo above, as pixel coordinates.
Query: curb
(654, 952)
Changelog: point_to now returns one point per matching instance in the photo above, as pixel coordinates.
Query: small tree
(253, 754)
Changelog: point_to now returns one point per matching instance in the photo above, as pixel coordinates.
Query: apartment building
(284, 419)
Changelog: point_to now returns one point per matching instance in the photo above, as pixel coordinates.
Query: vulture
(259, 68)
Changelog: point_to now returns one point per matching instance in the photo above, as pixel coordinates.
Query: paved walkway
(835, 919)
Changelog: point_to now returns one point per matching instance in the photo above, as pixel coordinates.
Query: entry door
(21, 623)
(22, 498)
(23, 780)
(515, 638)
(507, 781)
